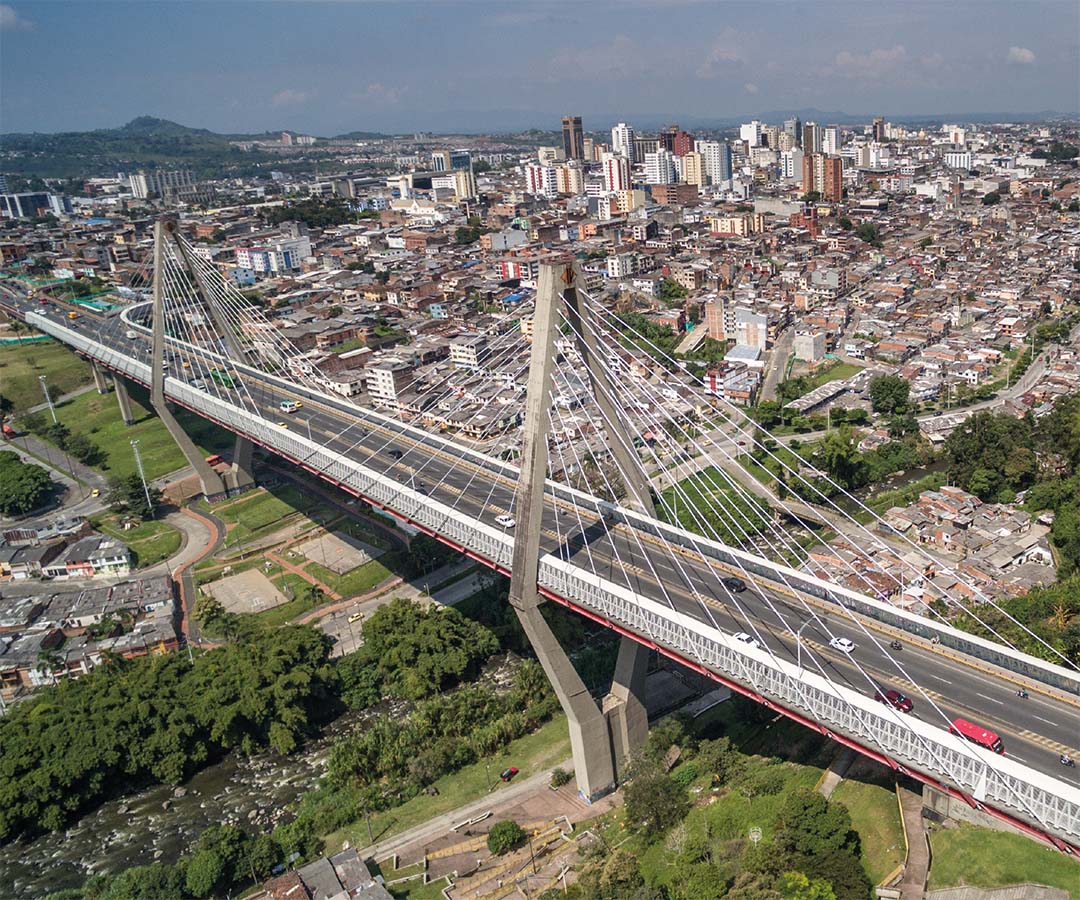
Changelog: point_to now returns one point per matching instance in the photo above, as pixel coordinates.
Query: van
(289, 406)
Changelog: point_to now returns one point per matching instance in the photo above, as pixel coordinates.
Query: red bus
(977, 735)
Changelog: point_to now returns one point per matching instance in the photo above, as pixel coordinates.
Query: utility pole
(142, 475)
(48, 399)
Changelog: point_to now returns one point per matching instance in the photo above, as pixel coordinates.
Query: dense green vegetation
(313, 212)
(74, 444)
(25, 486)
(889, 393)
(707, 504)
(155, 720)
(678, 849)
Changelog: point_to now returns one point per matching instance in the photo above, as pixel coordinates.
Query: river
(155, 824)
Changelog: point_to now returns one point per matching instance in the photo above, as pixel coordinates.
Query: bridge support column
(124, 399)
(212, 485)
(589, 736)
(624, 706)
(100, 381)
(240, 476)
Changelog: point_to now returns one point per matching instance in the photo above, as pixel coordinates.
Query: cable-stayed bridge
(731, 598)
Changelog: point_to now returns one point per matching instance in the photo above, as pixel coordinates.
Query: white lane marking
(938, 678)
(991, 699)
(1047, 721)
(1019, 759)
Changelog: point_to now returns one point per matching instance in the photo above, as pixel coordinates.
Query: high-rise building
(770, 137)
(31, 204)
(573, 138)
(590, 150)
(682, 143)
(811, 138)
(616, 172)
(830, 142)
(548, 156)
(666, 138)
(714, 319)
(642, 146)
(878, 127)
(622, 140)
(460, 159)
(660, 167)
(570, 179)
(809, 177)
(440, 160)
(541, 180)
(159, 182)
(791, 163)
(832, 186)
(751, 133)
(717, 156)
(793, 127)
(694, 169)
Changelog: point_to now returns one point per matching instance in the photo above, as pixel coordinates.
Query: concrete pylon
(212, 485)
(239, 477)
(124, 399)
(100, 382)
(624, 706)
(589, 737)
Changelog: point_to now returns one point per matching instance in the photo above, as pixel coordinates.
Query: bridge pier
(123, 399)
(240, 477)
(100, 382)
(602, 738)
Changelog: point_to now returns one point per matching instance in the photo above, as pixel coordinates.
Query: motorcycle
(896, 645)
(1068, 761)
(1022, 694)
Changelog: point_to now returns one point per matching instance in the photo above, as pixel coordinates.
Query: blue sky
(331, 67)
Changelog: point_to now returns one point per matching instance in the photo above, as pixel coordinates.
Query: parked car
(508, 774)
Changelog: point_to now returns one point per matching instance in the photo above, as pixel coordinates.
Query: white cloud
(1020, 56)
(727, 47)
(10, 20)
(750, 88)
(619, 58)
(876, 63)
(383, 95)
(291, 97)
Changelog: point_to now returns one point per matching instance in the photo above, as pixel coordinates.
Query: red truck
(9, 432)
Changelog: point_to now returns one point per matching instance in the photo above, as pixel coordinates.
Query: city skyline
(400, 67)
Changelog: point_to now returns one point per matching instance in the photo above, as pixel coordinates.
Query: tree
(811, 197)
(465, 235)
(868, 232)
(840, 457)
(654, 802)
(810, 825)
(6, 406)
(126, 494)
(25, 486)
(504, 836)
(205, 870)
(991, 199)
(889, 393)
(845, 223)
(796, 886)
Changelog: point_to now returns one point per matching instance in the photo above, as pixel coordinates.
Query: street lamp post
(142, 475)
(48, 399)
(798, 641)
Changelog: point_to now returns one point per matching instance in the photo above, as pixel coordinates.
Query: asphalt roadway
(1035, 730)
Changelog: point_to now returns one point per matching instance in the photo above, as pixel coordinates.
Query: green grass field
(358, 581)
(21, 364)
(545, 748)
(150, 543)
(835, 373)
(967, 855)
(876, 816)
(98, 417)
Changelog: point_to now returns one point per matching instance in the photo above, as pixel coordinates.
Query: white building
(751, 328)
(958, 159)
(274, 257)
(717, 156)
(541, 180)
(622, 140)
(616, 172)
(660, 167)
(751, 133)
(830, 141)
(388, 379)
(791, 163)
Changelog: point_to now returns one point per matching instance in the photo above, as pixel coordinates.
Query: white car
(747, 639)
(506, 521)
(842, 644)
